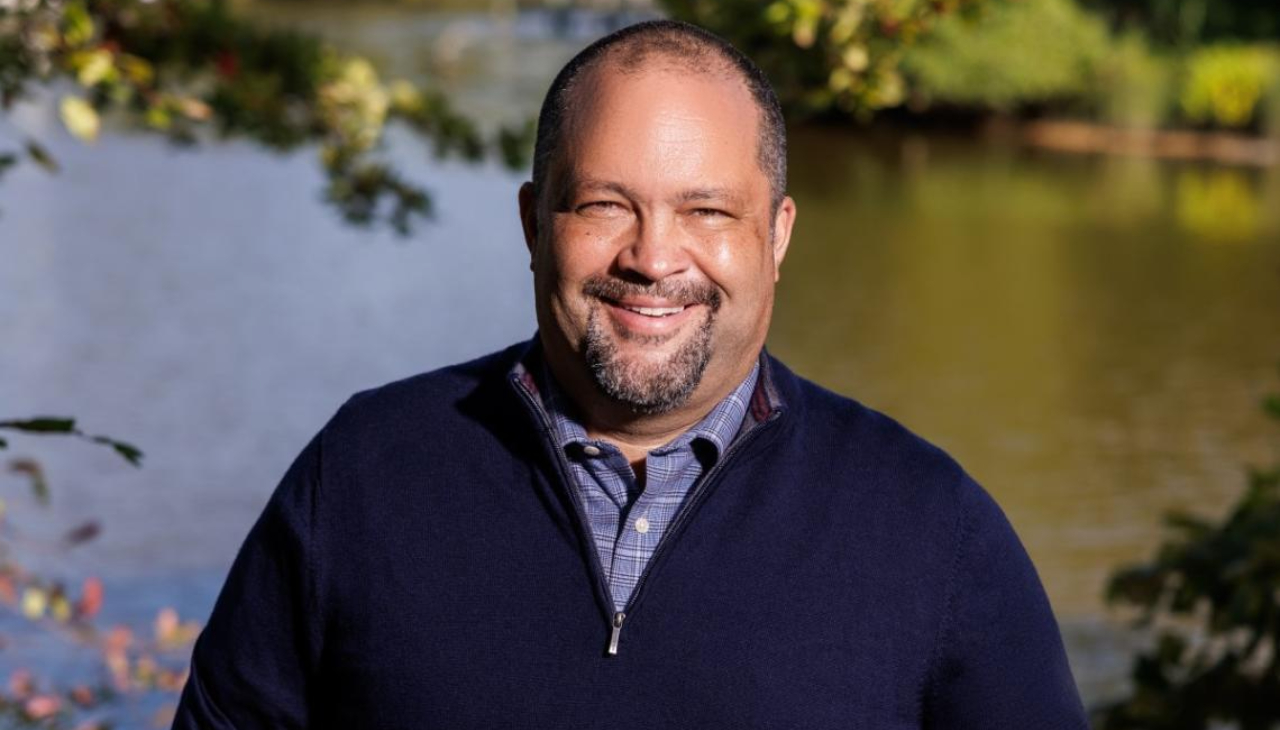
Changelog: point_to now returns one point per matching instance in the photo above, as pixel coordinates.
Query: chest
(755, 614)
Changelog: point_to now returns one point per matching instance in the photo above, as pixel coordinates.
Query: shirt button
(590, 450)
(642, 525)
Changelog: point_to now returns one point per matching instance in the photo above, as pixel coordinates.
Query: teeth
(656, 311)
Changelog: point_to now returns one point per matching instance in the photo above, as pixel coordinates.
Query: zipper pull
(613, 635)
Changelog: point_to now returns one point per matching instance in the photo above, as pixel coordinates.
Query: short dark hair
(687, 44)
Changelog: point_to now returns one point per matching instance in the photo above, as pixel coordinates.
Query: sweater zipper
(695, 498)
(563, 472)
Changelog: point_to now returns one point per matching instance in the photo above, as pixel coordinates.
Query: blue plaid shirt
(627, 523)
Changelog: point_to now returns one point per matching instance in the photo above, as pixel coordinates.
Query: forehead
(663, 122)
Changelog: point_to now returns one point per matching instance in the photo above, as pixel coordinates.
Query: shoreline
(1089, 138)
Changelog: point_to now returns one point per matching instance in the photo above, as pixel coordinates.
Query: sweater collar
(766, 397)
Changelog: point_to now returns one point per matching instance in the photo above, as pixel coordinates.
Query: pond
(1089, 336)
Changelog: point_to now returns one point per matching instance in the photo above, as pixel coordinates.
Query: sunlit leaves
(825, 55)
(93, 66)
(77, 24)
(80, 118)
(34, 603)
(188, 69)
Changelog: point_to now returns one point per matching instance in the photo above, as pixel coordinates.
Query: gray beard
(647, 389)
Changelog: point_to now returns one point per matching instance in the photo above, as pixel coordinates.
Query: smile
(648, 318)
(654, 311)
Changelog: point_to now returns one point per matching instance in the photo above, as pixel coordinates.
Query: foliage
(826, 55)
(1211, 592)
(1135, 87)
(1186, 22)
(1026, 52)
(1226, 84)
(134, 663)
(190, 68)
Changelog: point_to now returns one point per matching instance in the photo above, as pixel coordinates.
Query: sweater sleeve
(1000, 663)
(252, 663)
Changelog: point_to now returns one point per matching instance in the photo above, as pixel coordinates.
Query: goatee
(648, 388)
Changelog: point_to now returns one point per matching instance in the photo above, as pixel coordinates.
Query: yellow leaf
(60, 607)
(80, 118)
(137, 69)
(97, 66)
(34, 602)
(856, 58)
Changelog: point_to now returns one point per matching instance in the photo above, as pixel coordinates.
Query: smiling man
(639, 518)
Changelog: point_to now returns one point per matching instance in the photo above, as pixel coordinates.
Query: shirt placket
(646, 521)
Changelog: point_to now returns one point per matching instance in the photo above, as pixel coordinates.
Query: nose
(654, 251)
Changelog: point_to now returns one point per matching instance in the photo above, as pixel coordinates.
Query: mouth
(651, 311)
(648, 319)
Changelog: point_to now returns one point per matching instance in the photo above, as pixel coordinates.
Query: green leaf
(77, 24)
(42, 424)
(131, 453)
(41, 156)
(1271, 404)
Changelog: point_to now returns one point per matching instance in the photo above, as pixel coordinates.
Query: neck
(636, 434)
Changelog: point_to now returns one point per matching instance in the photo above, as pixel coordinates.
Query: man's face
(652, 250)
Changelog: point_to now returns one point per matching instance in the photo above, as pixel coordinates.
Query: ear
(783, 221)
(529, 219)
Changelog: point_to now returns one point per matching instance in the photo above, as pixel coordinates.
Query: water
(1088, 336)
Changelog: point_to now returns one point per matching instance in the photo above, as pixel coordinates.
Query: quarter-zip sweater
(422, 564)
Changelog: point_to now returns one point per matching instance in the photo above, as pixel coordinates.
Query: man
(638, 519)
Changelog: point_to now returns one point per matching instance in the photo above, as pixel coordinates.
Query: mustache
(679, 291)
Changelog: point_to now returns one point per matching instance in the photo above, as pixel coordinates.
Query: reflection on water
(1073, 329)
(1222, 205)
(1053, 322)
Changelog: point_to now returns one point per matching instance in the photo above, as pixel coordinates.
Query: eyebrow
(595, 186)
(696, 194)
(691, 195)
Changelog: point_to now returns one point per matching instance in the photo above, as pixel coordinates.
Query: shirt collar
(729, 418)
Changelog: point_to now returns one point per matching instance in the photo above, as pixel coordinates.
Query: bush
(1212, 593)
(1136, 88)
(825, 55)
(1226, 85)
(1018, 53)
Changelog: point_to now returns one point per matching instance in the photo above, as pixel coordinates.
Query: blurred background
(1045, 234)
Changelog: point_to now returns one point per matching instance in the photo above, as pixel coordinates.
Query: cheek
(743, 268)
(580, 251)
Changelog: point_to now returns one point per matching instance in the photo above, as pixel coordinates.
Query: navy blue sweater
(422, 565)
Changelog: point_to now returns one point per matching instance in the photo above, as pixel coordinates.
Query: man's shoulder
(868, 447)
(835, 418)
(433, 398)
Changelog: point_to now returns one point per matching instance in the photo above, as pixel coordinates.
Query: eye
(710, 214)
(601, 208)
